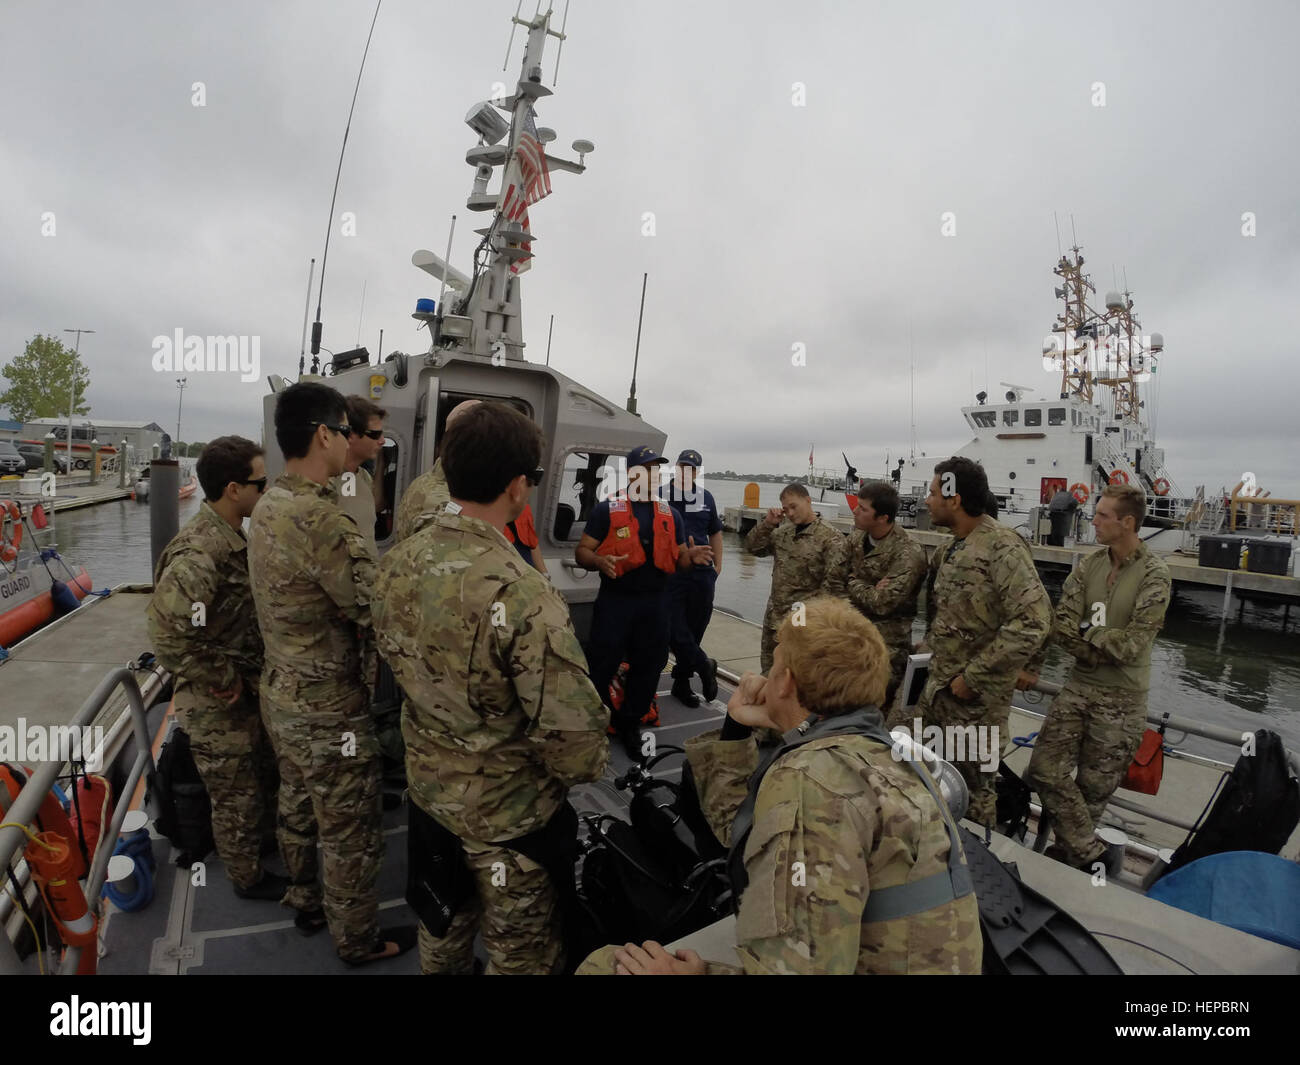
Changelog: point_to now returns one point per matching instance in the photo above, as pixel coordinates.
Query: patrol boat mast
(485, 315)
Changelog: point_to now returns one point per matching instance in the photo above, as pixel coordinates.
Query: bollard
(48, 464)
(94, 461)
(164, 505)
(121, 465)
(121, 874)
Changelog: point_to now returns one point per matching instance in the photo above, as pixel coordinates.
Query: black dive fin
(1026, 934)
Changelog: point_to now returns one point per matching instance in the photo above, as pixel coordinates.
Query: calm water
(1239, 675)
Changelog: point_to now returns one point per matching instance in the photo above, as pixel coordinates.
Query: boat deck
(205, 928)
(202, 929)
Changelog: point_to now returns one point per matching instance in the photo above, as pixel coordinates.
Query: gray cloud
(775, 224)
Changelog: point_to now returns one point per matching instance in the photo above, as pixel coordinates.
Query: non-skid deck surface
(190, 929)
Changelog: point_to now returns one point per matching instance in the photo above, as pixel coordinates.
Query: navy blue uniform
(690, 594)
(630, 619)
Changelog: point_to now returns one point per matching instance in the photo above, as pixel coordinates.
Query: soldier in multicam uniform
(989, 614)
(205, 634)
(426, 496)
(803, 549)
(831, 837)
(880, 569)
(361, 495)
(1112, 606)
(500, 718)
(312, 572)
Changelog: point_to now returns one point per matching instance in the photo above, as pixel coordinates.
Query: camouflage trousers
(237, 765)
(329, 792)
(1096, 729)
(942, 708)
(516, 909)
(898, 654)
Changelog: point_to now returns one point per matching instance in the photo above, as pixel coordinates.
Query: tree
(40, 381)
(194, 450)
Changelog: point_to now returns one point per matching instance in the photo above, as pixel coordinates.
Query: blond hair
(1130, 502)
(837, 657)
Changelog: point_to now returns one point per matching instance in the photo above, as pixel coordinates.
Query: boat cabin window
(449, 401)
(984, 419)
(1010, 417)
(578, 492)
(1055, 415)
(1034, 416)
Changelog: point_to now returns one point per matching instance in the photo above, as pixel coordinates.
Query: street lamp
(72, 399)
(180, 384)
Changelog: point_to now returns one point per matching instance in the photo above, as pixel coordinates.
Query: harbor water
(1237, 674)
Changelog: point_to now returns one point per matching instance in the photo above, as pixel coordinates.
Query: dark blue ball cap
(690, 458)
(644, 456)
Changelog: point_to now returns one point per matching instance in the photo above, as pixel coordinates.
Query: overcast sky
(775, 224)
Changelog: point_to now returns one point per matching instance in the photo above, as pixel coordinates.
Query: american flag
(532, 161)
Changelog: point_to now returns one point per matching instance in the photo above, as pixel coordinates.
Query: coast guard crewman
(690, 594)
(635, 541)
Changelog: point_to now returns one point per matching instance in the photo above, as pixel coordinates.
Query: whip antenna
(320, 293)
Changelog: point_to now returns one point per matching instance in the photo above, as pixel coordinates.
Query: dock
(50, 674)
(1185, 570)
(69, 494)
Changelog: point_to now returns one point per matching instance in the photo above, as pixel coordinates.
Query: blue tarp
(1247, 890)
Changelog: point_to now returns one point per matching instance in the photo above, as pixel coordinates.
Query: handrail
(25, 806)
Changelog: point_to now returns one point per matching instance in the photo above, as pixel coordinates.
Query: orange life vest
(624, 537)
(527, 530)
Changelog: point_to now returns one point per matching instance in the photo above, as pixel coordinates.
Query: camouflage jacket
(989, 612)
(835, 819)
(421, 503)
(312, 573)
(359, 502)
(897, 559)
(500, 718)
(1124, 618)
(800, 562)
(201, 618)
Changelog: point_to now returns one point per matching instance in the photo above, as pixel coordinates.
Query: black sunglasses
(259, 481)
(343, 430)
(374, 434)
(535, 478)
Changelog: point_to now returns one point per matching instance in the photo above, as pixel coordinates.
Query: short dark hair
(297, 407)
(361, 410)
(795, 489)
(882, 497)
(486, 448)
(1130, 502)
(225, 459)
(971, 483)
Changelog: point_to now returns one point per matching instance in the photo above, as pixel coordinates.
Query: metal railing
(28, 801)
(1231, 737)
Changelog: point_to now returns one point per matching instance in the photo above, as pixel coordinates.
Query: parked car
(34, 456)
(10, 461)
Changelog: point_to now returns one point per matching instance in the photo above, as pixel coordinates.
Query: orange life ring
(1161, 487)
(1080, 492)
(1119, 477)
(10, 540)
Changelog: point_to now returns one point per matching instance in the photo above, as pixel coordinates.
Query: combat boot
(682, 692)
(709, 679)
(270, 888)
